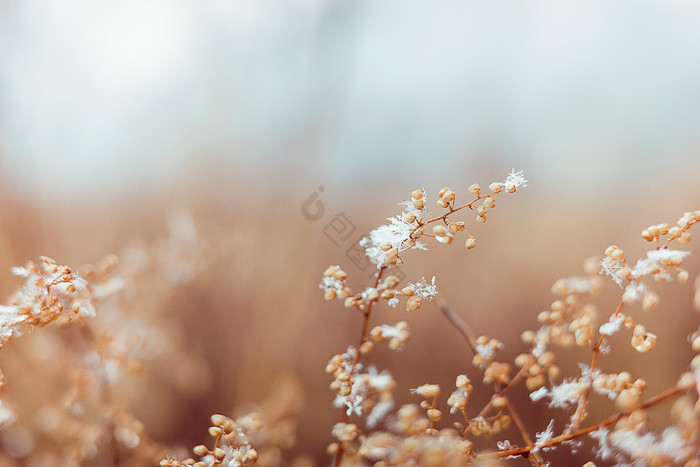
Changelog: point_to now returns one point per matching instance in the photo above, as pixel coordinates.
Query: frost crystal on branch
(424, 291)
(515, 179)
(49, 293)
(386, 241)
(544, 436)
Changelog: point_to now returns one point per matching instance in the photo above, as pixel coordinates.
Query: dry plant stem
(580, 413)
(367, 313)
(533, 457)
(468, 335)
(674, 391)
(458, 323)
(516, 379)
(106, 393)
(432, 422)
(444, 217)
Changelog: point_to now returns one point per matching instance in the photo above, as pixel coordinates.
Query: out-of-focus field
(232, 282)
(187, 137)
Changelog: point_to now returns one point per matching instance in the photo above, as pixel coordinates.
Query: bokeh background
(122, 122)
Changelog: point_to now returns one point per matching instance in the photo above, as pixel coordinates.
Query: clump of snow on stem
(396, 233)
(330, 282)
(656, 263)
(49, 291)
(639, 446)
(610, 267)
(543, 437)
(567, 393)
(378, 413)
(613, 325)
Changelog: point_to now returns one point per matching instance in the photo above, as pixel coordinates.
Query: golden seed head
(201, 450)
(413, 304)
(650, 301)
(217, 420)
(219, 453)
(428, 391)
(498, 402)
(434, 415)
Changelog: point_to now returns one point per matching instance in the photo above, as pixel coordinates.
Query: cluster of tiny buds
(430, 393)
(413, 302)
(494, 372)
(497, 373)
(220, 426)
(418, 200)
(615, 260)
(485, 348)
(459, 398)
(334, 283)
(538, 372)
(483, 427)
(445, 234)
(334, 286)
(50, 305)
(628, 392)
(391, 254)
(339, 368)
(343, 432)
(446, 199)
(397, 335)
(642, 340)
(679, 231)
(566, 333)
(411, 421)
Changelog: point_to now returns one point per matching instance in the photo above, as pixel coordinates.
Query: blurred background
(124, 124)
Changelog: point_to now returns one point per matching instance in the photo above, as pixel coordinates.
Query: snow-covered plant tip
(373, 431)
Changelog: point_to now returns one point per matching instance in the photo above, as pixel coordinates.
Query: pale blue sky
(117, 94)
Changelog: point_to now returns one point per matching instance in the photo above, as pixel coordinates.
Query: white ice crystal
(567, 393)
(395, 233)
(515, 179)
(423, 290)
(613, 325)
(544, 436)
(379, 411)
(610, 267)
(657, 259)
(639, 446)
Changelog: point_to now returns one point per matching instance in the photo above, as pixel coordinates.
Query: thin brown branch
(674, 391)
(458, 323)
(580, 413)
